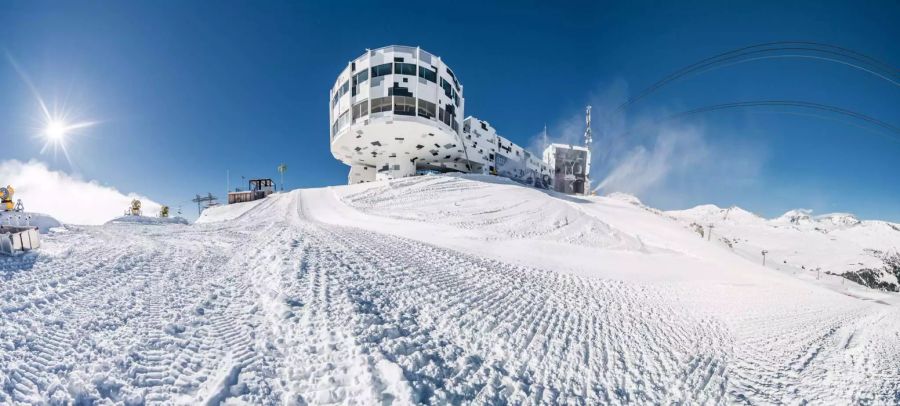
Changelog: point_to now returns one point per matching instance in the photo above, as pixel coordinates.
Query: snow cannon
(6, 195)
(136, 207)
(164, 212)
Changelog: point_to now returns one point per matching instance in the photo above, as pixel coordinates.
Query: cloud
(65, 197)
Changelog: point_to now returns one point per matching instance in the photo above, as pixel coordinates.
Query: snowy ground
(434, 290)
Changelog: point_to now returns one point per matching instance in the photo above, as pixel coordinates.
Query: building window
(381, 104)
(343, 120)
(452, 76)
(426, 109)
(404, 69)
(405, 105)
(360, 109)
(428, 74)
(359, 78)
(448, 90)
(381, 70)
(340, 92)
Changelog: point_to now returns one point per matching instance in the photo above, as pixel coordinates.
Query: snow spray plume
(67, 198)
(647, 162)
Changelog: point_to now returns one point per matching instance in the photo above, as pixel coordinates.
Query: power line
(784, 103)
(771, 47)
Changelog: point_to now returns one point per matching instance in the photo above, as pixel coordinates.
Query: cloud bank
(65, 197)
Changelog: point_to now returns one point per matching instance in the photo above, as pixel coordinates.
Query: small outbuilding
(258, 189)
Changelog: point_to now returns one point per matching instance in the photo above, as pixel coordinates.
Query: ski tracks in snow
(276, 308)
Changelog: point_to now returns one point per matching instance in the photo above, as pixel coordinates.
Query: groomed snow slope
(433, 289)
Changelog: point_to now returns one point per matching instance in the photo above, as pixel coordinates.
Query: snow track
(275, 305)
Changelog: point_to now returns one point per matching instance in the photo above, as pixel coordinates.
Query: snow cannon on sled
(135, 209)
(6, 195)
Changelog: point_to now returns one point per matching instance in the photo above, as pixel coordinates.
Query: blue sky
(183, 91)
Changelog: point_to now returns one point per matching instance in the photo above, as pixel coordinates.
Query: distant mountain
(862, 251)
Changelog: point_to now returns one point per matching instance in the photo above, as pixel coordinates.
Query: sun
(56, 131)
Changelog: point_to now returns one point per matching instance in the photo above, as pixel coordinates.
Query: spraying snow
(66, 198)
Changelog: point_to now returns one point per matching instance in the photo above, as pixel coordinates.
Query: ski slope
(435, 289)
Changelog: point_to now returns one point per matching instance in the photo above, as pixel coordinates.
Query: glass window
(428, 74)
(381, 70)
(405, 69)
(381, 104)
(360, 109)
(405, 105)
(452, 76)
(343, 120)
(426, 109)
(359, 78)
(448, 90)
(340, 92)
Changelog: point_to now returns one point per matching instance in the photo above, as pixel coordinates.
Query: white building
(395, 110)
(569, 167)
(398, 110)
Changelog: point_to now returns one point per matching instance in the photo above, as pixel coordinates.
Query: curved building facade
(396, 110)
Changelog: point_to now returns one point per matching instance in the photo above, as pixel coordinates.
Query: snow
(148, 220)
(801, 243)
(436, 289)
(226, 213)
(67, 197)
(42, 221)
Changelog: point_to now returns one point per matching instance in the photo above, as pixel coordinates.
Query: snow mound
(502, 210)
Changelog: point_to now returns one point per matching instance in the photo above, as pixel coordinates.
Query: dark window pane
(357, 79)
(381, 104)
(404, 105)
(448, 90)
(426, 109)
(381, 70)
(360, 109)
(428, 74)
(405, 69)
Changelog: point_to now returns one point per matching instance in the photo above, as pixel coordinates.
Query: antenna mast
(546, 139)
(587, 131)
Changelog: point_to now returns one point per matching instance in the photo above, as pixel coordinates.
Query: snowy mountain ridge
(863, 251)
